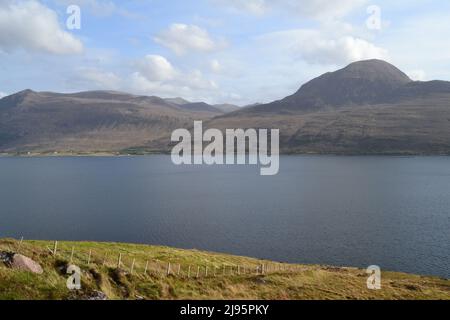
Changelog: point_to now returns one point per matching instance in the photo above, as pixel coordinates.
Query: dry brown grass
(305, 282)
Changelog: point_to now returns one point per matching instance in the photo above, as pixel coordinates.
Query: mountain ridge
(368, 107)
(90, 121)
(367, 82)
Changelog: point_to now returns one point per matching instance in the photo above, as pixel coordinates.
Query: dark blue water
(354, 211)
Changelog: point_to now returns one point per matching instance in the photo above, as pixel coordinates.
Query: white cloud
(417, 75)
(149, 75)
(100, 79)
(141, 85)
(317, 9)
(257, 7)
(415, 43)
(199, 89)
(320, 8)
(155, 75)
(182, 38)
(156, 68)
(316, 47)
(32, 26)
(340, 51)
(215, 66)
(196, 80)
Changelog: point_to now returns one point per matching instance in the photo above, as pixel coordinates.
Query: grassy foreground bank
(151, 272)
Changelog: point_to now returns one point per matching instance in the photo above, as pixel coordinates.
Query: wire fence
(135, 264)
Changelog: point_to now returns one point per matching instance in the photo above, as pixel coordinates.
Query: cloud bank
(31, 26)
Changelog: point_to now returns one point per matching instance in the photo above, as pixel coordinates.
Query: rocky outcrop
(97, 295)
(20, 262)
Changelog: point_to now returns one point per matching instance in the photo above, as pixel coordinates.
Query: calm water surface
(353, 211)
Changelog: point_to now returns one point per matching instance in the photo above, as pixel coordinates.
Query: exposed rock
(21, 262)
(97, 295)
(6, 257)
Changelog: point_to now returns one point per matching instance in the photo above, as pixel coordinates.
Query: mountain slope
(226, 107)
(88, 121)
(361, 83)
(200, 107)
(369, 107)
(217, 108)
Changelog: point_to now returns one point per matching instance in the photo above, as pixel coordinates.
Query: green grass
(301, 282)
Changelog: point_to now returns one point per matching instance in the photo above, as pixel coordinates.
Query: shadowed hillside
(97, 121)
(369, 107)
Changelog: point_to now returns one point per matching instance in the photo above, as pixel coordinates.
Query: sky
(217, 51)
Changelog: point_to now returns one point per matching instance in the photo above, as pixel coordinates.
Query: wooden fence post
(55, 248)
(89, 258)
(119, 261)
(179, 269)
(168, 269)
(132, 266)
(198, 271)
(146, 267)
(189, 272)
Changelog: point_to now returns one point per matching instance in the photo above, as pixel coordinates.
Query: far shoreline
(109, 154)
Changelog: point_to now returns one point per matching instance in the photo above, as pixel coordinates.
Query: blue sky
(235, 51)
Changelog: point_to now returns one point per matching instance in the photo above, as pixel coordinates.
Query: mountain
(227, 108)
(178, 101)
(361, 83)
(220, 108)
(200, 107)
(93, 121)
(368, 107)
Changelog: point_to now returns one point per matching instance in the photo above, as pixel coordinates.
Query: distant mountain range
(94, 121)
(369, 107)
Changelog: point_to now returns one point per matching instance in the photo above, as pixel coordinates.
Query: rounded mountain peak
(360, 83)
(373, 70)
